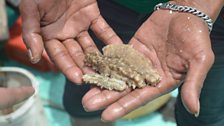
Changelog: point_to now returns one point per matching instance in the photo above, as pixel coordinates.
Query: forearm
(210, 7)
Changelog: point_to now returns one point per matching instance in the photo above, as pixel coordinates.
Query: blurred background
(50, 87)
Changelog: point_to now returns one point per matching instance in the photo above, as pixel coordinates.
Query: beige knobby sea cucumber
(119, 67)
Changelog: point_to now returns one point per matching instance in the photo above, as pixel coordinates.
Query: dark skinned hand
(60, 26)
(179, 47)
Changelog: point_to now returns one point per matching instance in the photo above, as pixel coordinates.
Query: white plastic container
(29, 112)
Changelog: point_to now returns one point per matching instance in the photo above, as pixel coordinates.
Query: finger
(86, 42)
(190, 91)
(147, 51)
(130, 102)
(31, 29)
(87, 45)
(93, 91)
(12, 96)
(51, 64)
(76, 53)
(104, 32)
(60, 56)
(95, 101)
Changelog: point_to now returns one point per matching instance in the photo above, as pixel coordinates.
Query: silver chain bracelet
(187, 9)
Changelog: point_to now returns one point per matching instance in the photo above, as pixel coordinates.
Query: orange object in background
(16, 50)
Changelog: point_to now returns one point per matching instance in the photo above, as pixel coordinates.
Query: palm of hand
(175, 47)
(179, 47)
(73, 19)
(62, 28)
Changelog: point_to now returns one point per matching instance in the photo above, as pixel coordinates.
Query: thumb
(31, 29)
(11, 96)
(191, 89)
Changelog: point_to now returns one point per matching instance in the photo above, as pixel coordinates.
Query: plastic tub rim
(28, 103)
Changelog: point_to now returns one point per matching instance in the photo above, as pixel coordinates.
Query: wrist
(211, 8)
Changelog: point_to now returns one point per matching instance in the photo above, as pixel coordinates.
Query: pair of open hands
(178, 45)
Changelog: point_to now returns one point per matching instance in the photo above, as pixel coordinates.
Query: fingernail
(30, 54)
(78, 78)
(103, 120)
(32, 59)
(197, 113)
(85, 109)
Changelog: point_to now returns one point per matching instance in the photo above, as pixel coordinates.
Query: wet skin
(60, 27)
(178, 45)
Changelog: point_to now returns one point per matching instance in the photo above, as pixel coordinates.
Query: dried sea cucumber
(105, 82)
(120, 65)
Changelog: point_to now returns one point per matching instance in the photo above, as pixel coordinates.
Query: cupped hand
(61, 27)
(12, 96)
(179, 47)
